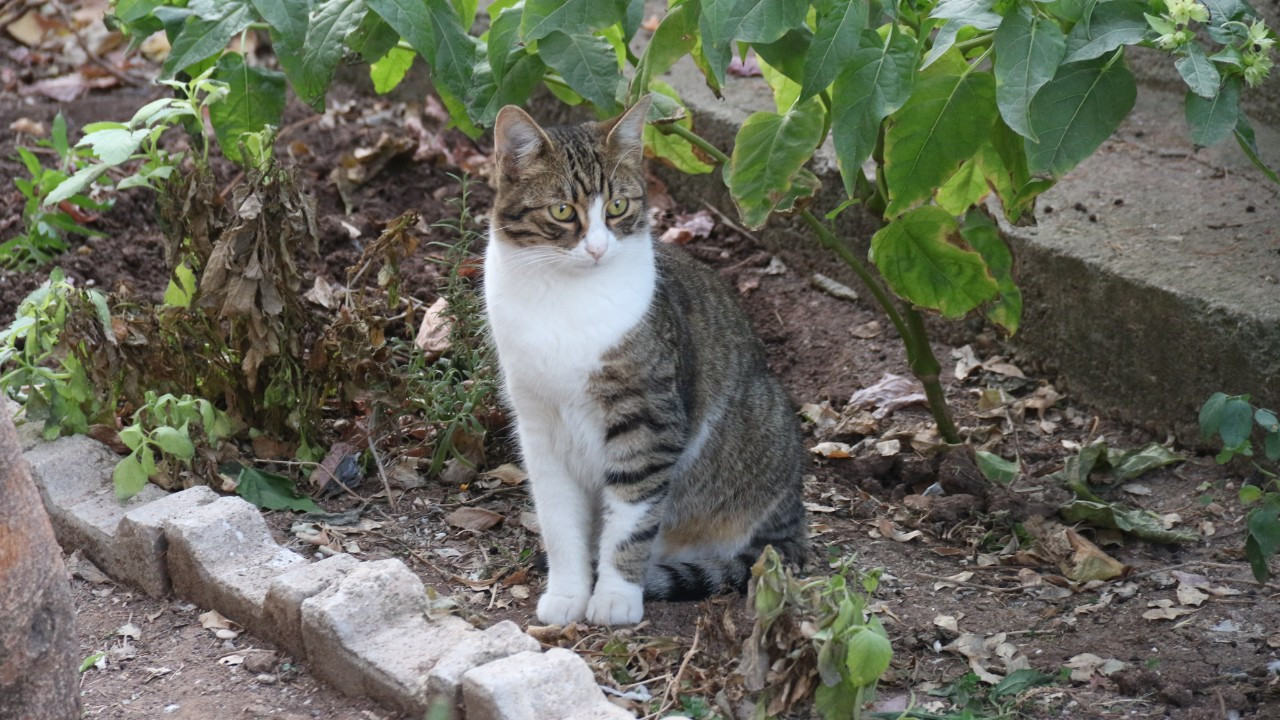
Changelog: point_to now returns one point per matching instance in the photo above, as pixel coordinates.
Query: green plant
(47, 351)
(817, 625)
(163, 438)
(1232, 418)
(952, 100)
(44, 229)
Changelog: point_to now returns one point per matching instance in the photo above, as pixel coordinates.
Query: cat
(662, 453)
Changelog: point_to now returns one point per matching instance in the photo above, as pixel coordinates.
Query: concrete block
(555, 685)
(221, 556)
(74, 478)
(369, 635)
(282, 612)
(495, 642)
(141, 544)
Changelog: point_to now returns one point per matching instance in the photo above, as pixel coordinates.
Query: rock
(282, 612)
(221, 556)
(369, 635)
(498, 641)
(141, 543)
(74, 478)
(555, 685)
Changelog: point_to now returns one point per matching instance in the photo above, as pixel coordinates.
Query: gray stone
(369, 635)
(141, 544)
(283, 609)
(555, 685)
(221, 556)
(495, 642)
(74, 478)
(29, 433)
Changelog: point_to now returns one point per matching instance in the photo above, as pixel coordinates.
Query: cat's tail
(694, 579)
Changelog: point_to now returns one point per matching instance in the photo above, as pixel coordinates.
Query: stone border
(362, 625)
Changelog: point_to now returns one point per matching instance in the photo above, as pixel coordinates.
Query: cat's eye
(563, 212)
(616, 207)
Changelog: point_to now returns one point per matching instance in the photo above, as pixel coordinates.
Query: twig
(671, 695)
(973, 585)
(382, 473)
(481, 498)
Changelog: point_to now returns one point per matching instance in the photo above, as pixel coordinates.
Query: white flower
(1184, 11)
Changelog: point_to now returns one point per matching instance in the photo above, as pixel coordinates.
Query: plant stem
(924, 365)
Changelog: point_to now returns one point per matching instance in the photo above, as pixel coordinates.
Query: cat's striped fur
(662, 452)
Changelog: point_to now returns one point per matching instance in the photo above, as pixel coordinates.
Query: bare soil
(1217, 658)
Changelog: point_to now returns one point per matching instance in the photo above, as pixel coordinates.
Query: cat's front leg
(564, 514)
(627, 535)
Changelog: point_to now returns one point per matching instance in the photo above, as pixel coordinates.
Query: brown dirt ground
(1214, 659)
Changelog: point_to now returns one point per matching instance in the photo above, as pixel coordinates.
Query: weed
(162, 441)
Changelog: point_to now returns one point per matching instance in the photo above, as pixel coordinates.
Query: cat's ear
(517, 139)
(627, 134)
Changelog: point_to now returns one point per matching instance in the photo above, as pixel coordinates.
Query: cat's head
(575, 193)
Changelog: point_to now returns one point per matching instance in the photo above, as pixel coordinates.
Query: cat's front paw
(616, 607)
(561, 609)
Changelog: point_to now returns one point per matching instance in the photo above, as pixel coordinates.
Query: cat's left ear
(627, 134)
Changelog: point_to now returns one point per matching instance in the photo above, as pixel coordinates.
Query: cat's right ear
(517, 139)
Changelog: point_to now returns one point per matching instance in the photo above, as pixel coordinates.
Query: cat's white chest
(552, 324)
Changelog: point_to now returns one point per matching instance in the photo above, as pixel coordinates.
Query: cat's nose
(595, 252)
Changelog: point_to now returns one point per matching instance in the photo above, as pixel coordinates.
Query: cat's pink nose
(595, 252)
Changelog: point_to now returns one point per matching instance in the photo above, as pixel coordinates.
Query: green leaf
(669, 149)
(1018, 681)
(1271, 446)
(1076, 111)
(915, 254)
(1266, 420)
(571, 17)
(836, 701)
(1250, 494)
(996, 468)
(1128, 465)
(964, 189)
(387, 73)
(268, 490)
(587, 63)
(942, 42)
(1237, 422)
(1211, 414)
(322, 48)
(75, 184)
(373, 38)
(182, 287)
(1115, 23)
(489, 97)
(834, 45)
(58, 135)
(977, 13)
(675, 37)
(752, 21)
(132, 436)
(785, 90)
(982, 235)
(114, 145)
(1262, 540)
(943, 123)
(255, 99)
(287, 19)
(128, 477)
(174, 441)
(1028, 52)
(876, 82)
(869, 654)
(207, 32)
(769, 150)
(504, 36)
(1140, 523)
(433, 29)
(788, 52)
(1214, 120)
(1199, 74)
(1244, 137)
(91, 661)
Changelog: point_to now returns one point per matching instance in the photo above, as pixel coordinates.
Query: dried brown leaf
(473, 518)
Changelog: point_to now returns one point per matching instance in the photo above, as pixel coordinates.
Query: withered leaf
(473, 518)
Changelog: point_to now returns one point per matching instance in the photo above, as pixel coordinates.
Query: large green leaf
(1028, 52)
(978, 13)
(725, 21)
(675, 37)
(372, 39)
(287, 19)
(268, 490)
(916, 255)
(129, 477)
(322, 48)
(433, 28)
(572, 17)
(207, 32)
(1112, 24)
(788, 52)
(1076, 111)
(943, 123)
(967, 187)
(489, 97)
(587, 63)
(255, 99)
(834, 45)
(876, 82)
(1198, 72)
(980, 231)
(671, 149)
(504, 35)
(1212, 121)
(387, 72)
(1263, 540)
(768, 152)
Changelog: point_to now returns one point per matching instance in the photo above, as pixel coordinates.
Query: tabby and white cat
(662, 453)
